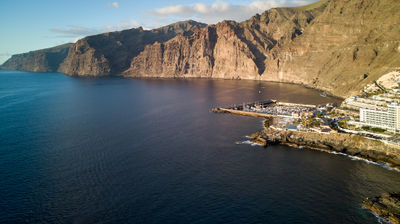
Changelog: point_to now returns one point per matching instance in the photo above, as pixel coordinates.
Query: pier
(272, 108)
(241, 112)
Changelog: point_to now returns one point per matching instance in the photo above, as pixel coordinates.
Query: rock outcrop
(329, 45)
(353, 145)
(386, 206)
(45, 60)
(111, 53)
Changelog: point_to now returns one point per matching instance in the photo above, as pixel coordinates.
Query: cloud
(77, 32)
(74, 31)
(219, 10)
(209, 13)
(113, 5)
(5, 54)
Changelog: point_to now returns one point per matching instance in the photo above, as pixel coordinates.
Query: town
(374, 114)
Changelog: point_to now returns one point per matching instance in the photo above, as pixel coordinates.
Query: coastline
(349, 144)
(386, 206)
(352, 145)
(324, 90)
(320, 89)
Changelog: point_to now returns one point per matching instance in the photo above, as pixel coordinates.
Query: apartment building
(385, 117)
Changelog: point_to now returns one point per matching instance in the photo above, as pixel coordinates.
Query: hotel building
(385, 117)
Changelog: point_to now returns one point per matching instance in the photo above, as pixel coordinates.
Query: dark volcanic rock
(111, 53)
(353, 145)
(45, 60)
(386, 206)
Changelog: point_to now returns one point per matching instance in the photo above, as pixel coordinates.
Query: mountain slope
(226, 50)
(45, 60)
(337, 46)
(328, 45)
(111, 53)
(349, 39)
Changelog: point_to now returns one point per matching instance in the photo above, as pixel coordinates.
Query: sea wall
(240, 112)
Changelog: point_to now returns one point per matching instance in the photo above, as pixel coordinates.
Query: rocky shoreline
(386, 206)
(352, 145)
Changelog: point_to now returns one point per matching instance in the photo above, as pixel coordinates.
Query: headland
(335, 129)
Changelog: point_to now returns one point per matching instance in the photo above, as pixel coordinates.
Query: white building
(356, 102)
(386, 118)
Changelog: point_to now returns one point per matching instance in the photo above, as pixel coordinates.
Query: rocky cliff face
(347, 40)
(338, 46)
(328, 45)
(226, 50)
(45, 60)
(111, 53)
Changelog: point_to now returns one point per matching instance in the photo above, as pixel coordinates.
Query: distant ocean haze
(112, 150)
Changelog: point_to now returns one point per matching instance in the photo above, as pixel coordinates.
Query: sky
(36, 24)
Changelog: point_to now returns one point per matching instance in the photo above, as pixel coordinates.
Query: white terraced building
(386, 118)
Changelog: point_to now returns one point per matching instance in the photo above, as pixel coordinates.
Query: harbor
(315, 127)
(288, 116)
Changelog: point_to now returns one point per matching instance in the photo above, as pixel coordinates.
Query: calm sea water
(113, 150)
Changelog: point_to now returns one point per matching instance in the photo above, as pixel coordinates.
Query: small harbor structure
(287, 116)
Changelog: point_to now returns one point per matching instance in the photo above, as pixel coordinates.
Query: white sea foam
(384, 165)
(250, 143)
(380, 219)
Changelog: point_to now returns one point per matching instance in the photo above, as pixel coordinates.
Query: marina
(288, 116)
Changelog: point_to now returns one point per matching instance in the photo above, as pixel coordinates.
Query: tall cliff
(226, 50)
(45, 60)
(111, 53)
(338, 46)
(328, 45)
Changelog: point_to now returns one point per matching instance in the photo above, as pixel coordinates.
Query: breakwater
(240, 112)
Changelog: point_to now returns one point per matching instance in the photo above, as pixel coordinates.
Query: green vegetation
(378, 130)
(365, 128)
(376, 92)
(343, 123)
(373, 129)
(309, 122)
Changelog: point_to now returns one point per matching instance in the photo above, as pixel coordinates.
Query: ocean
(116, 150)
